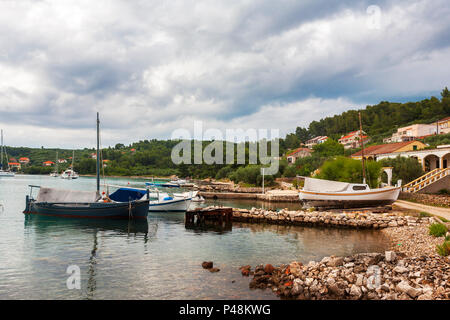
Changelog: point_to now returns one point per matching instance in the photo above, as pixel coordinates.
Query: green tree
(406, 169)
(350, 170)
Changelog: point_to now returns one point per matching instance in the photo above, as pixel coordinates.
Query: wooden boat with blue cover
(84, 204)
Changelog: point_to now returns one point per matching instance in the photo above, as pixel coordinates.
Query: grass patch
(425, 214)
(443, 249)
(443, 219)
(437, 230)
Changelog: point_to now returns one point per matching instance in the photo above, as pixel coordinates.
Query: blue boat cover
(127, 194)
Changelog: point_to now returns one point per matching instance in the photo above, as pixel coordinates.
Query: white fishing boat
(166, 203)
(326, 193)
(169, 204)
(159, 201)
(7, 172)
(335, 194)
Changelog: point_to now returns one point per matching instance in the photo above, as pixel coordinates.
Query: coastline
(410, 269)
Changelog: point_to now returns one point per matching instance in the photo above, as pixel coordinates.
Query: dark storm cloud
(150, 67)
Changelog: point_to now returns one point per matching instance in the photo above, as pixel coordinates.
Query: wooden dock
(209, 215)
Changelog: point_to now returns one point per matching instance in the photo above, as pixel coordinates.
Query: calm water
(157, 259)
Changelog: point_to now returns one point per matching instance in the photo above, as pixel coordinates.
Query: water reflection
(43, 224)
(316, 242)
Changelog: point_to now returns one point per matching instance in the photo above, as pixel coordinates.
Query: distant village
(16, 165)
(404, 142)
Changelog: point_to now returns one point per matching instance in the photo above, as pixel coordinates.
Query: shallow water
(156, 259)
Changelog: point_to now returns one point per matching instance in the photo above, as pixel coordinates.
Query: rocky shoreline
(411, 270)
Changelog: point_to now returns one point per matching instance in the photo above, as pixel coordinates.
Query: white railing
(426, 180)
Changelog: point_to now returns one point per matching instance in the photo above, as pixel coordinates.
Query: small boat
(159, 201)
(70, 173)
(162, 184)
(84, 204)
(326, 193)
(8, 172)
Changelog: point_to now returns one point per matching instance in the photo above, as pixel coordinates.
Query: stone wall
(428, 199)
(328, 219)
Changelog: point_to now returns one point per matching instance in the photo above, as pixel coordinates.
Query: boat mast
(98, 156)
(362, 147)
(57, 161)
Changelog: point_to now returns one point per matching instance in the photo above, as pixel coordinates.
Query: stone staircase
(426, 180)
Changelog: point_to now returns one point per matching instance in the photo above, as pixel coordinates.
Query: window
(414, 148)
(359, 188)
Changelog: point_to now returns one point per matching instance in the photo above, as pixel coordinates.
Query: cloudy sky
(150, 67)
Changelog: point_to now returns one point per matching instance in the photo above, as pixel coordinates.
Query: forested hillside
(379, 121)
(153, 157)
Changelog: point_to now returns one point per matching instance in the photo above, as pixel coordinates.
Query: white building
(411, 132)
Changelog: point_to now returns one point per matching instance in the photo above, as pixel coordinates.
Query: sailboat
(8, 172)
(84, 204)
(55, 173)
(334, 194)
(70, 173)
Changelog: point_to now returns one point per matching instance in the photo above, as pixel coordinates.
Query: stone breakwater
(362, 219)
(369, 276)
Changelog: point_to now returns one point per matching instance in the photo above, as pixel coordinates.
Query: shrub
(437, 230)
(444, 192)
(443, 219)
(350, 170)
(443, 249)
(224, 172)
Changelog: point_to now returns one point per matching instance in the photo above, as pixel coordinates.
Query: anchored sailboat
(84, 204)
(55, 173)
(70, 173)
(3, 172)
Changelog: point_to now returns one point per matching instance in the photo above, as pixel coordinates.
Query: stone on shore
(207, 264)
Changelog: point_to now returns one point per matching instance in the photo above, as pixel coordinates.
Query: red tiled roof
(24, 158)
(382, 148)
(48, 162)
(298, 150)
(14, 163)
(446, 118)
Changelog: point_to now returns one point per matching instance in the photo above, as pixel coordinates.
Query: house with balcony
(412, 132)
(353, 139)
(48, 163)
(24, 160)
(317, 140)
(14, 166)
(443, 125)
